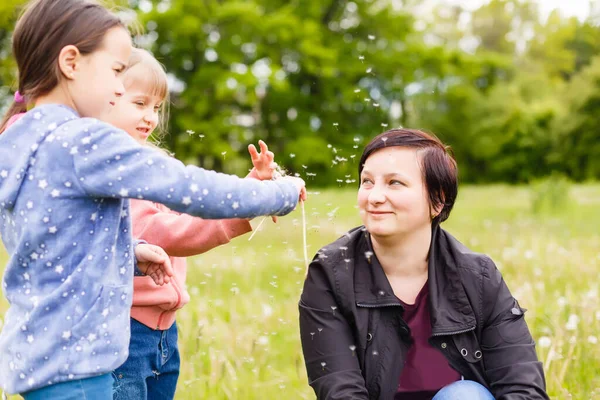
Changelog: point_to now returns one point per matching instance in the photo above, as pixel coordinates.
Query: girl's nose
(151, 118)
(120, 91)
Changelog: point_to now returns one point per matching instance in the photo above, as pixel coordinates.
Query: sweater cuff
(136, 270)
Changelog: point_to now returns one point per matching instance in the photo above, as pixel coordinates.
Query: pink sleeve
(181, 235)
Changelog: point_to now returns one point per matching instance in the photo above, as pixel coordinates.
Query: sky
(578, 8)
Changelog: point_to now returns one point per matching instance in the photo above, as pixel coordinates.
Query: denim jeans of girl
(152, 368)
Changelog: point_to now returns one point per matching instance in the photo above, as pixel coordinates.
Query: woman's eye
(395, 182)
(365, 181)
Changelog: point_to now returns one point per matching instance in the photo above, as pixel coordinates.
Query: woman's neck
(404, 256)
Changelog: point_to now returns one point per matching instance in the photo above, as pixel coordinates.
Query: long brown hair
(44, 28)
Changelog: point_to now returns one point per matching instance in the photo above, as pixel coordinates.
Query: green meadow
(239, 334)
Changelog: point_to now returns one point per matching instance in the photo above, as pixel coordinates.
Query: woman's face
(392, 198)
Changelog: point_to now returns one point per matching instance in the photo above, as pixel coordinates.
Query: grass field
(239, 334)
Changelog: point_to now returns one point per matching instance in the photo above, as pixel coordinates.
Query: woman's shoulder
(471, 264)
(342, 248)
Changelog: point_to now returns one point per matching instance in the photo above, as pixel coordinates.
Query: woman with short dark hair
(398, 308)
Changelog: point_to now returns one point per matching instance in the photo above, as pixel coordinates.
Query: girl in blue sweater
(65, 178)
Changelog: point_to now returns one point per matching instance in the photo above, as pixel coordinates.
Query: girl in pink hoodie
(152, 368)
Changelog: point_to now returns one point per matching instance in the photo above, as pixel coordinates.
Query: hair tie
(19, 97)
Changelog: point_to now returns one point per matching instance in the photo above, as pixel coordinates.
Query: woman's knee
(462, 390)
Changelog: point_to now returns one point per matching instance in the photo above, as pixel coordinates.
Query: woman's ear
(69, 60)
(434, 211)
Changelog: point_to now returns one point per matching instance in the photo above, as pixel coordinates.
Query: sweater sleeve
(181, 235)
(109, 163)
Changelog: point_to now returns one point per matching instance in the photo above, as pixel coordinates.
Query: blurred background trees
(516, 93)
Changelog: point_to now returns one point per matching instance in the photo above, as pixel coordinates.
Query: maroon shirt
(426, 370)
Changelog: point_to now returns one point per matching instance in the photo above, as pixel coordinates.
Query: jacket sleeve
(327, 341)
(109, 163)
(512, 367)
(182, 235)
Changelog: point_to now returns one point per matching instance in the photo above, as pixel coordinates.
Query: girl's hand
(154, 262)
(300, 184)
(263, 163)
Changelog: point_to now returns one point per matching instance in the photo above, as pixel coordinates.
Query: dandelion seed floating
(323, 364)
(352, 348)
(333, 308)
(371, 37)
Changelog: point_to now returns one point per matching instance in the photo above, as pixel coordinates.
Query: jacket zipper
(454, 333)
(176, 287)
(378, 305)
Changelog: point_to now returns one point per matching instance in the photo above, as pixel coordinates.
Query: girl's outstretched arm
(109, 163)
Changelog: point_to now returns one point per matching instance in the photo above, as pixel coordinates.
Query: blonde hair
(155, 78)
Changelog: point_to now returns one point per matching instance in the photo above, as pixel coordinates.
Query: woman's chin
(381, 230)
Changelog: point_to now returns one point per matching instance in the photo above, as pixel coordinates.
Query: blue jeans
(461, 390)
(152, 368)
(96, 388)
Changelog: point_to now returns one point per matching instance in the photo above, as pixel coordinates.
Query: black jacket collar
(450, 309)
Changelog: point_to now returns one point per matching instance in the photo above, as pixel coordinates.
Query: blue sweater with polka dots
(64, 185)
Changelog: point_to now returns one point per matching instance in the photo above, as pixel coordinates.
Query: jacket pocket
(99, 340)
(510, 328)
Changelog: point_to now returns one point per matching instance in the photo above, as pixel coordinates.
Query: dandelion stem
(257, 228)
(304, 236)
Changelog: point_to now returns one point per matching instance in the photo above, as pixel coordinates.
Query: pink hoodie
(181, 236)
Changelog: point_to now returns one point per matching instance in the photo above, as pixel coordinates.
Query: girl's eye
(140, 103)
(157, 108)
(365, 181)
(396, 183)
